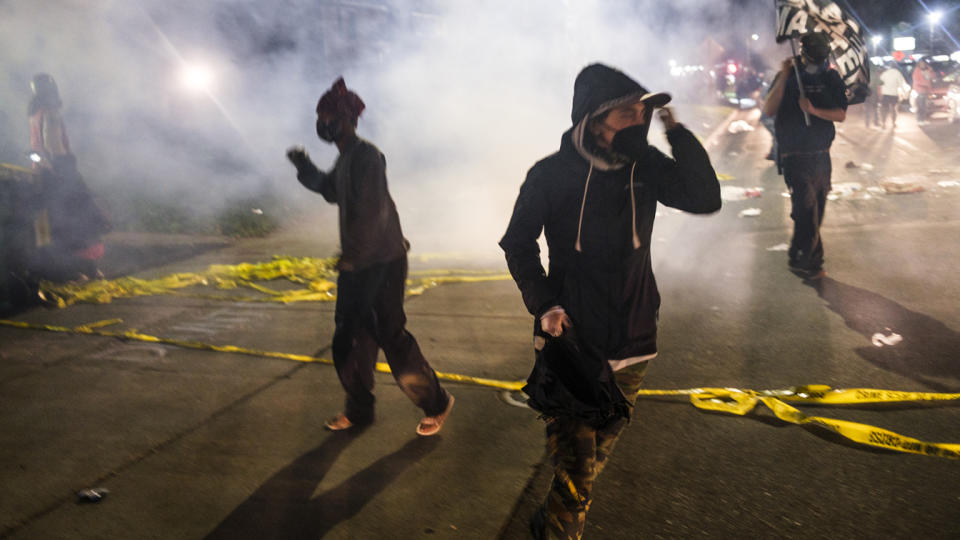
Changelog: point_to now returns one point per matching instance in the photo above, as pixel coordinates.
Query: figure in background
(893, 88)
(923, 76)
(373, 271)
(871, 105)
(805, 149)
(70, 224)
(595, 326)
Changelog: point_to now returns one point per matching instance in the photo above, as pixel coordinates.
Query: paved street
(195, 444)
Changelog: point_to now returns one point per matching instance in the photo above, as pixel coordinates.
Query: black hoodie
(606, 286)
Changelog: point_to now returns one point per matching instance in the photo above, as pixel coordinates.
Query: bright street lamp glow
(876, 39)
(934, 17)
(755, 37)
(196, 77)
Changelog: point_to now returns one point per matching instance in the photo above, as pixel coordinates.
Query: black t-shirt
(825, 90)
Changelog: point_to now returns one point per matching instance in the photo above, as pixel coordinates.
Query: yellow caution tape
(728, 400)
(91, 329)
(740, 402)
(319, 276)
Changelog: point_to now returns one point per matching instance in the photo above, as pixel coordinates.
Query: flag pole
(796, 69)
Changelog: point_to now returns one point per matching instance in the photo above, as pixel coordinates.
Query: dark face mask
(632, 141)
(328, 131)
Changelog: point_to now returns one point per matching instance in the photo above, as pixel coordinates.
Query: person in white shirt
(893, 87)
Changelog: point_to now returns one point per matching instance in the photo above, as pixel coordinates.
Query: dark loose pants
(888, 106)
(579, 452)
(808, 177)
(369, 315)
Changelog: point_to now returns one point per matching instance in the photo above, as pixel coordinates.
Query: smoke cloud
(196, 102)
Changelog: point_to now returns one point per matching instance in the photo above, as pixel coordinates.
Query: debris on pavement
(844, 189)
(879, 339)
(740, 126)
(724, 177)
(898, 186)
(92, 495)
(750, 212)
(851, 165)
(949, 183)
(783, 246)
(737, 193)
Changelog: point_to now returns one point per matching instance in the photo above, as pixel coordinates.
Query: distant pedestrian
(373, 271)
(923, 78)
(871, 104)
(70, 223)
(769, 123)
(805, 150)
(596, 309)
(893, 88)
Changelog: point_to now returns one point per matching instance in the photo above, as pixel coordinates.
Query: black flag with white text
(798, 17)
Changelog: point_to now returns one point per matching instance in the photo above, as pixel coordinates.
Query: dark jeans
(922, 113)
(888, 106)
(808, 177)
(369, 315)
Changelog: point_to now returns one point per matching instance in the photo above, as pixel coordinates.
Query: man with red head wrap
(373, 270)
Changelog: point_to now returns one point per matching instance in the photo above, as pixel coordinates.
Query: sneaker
(340, 422)
(431, 425)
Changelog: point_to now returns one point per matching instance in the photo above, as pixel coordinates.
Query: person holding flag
(806, 98)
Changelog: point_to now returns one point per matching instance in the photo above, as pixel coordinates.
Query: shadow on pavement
(928, 348)
(284, 506)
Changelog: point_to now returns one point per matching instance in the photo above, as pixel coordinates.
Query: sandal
(339, 422)
(431, 424)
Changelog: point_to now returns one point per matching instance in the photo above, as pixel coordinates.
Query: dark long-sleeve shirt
(369, 225)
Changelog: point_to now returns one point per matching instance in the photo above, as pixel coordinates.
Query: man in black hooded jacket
(596, 308)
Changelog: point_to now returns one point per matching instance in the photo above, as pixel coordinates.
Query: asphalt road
(195, 444)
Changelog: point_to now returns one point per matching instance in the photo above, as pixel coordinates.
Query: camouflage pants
(579, 452)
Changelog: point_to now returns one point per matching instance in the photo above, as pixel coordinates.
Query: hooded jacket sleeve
(316, 180)
(688, 182)
(520, 246)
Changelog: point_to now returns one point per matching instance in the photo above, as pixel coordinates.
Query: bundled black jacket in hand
(369, 225)
(606, 286)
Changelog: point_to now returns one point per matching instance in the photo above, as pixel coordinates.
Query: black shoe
(807, 272)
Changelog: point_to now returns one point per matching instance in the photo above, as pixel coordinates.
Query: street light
(196, 77)
(934, 18)
(876, 41)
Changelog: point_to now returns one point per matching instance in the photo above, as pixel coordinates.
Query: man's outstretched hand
(299, 157)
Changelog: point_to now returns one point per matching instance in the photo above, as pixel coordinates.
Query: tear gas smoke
(463, 97)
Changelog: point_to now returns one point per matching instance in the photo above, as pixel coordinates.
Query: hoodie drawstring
(633, 208)
(583, 204)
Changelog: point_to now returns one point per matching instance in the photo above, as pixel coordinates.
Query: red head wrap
(340, 101)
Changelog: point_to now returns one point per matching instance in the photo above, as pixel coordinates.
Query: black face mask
(328, 131)
(632, 141)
